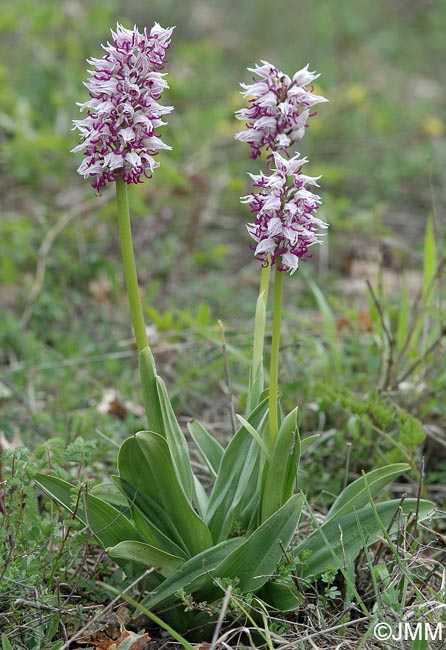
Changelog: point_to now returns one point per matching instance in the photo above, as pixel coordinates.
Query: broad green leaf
(235, 477)
(177, 443)
(254, 561)
(281, 594)
(110, 493)
(356, 495)
(193, 575)
(153, 522)
(107, 523)
(281, 469)
(144, 461)
(147, 371)
(209, 447)
(339, 540)
(146, 555)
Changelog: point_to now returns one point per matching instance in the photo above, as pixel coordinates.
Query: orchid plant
(157, 514)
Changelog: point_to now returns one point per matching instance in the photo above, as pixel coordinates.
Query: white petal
(265, 246)
(291, 262)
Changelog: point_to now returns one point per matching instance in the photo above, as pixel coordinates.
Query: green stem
(259, 330)
(274, 363)
(128, 259)
(256, 373)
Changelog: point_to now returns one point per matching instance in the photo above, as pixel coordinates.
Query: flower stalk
(128, 260)
(274, 361)
(256, 377)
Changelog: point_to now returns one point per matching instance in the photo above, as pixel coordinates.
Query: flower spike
(118, 134)
(279, 107)
(286, 225)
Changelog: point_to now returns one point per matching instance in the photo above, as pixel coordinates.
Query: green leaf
(193, 575)
(339, 540)
(209, 447)
(256, 384)
(281, 469)
(152, 520)
(429, 259)
(235, 477)
(107, 523)
(356, 495)
(147, 555)
(147, 371)
(428, 289)
(144, 461)
(250, 561)
(254, 561)
(281, 594)
(202, 498)
(163, 421)
(257, 437)
(176, 442)
(306, 442)
(110, 493)
(6, 645)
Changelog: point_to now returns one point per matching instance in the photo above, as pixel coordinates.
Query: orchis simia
(156, 513)
(120, 142)
(286, 225)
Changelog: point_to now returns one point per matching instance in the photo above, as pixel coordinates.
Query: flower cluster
(118, 134)
(286, 225)
(279, 107)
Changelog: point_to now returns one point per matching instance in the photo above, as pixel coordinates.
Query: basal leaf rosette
(118, 135)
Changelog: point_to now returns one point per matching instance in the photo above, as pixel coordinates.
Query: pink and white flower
(279, 108)
(118, 135)
(286, 225)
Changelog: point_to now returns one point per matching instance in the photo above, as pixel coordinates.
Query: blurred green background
(379, 145)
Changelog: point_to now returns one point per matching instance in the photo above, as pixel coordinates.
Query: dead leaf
(113, 404)
(132, 641)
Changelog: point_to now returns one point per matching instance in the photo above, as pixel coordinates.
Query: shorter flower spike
(286, 225)
(279, 107)
(118, 134)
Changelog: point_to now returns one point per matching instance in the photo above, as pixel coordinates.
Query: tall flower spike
(279, 107)
(286, 225)
(118, 134)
